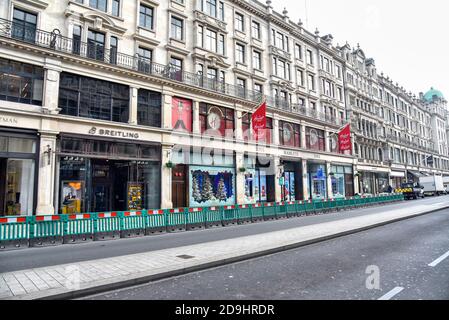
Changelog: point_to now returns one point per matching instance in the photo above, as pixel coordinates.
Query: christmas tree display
(221, 191)
(208, 191)
(196, 193)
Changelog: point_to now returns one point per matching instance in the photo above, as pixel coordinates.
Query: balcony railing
(93, 51)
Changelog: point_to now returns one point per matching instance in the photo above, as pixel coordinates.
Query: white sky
(407, 39)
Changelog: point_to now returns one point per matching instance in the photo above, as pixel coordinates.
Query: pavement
(82, 277)
(402, 253)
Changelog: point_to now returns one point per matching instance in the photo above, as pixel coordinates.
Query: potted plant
(242, 169)
(331, 174)
(357, 175)
(170, 165)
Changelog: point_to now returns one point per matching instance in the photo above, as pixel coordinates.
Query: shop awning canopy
(398, 174)
(416, 174)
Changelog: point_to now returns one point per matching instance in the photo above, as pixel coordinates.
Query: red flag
(259, 122)
(344, 139)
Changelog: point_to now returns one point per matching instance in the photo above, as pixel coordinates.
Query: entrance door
(349, 185)
(179, 186)
(102, 197)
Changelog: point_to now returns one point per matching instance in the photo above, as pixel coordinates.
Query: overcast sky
(407, 39)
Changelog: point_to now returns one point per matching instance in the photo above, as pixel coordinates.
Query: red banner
(344, 139)
(259, 122)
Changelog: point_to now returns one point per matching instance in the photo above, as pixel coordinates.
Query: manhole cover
(185, 256)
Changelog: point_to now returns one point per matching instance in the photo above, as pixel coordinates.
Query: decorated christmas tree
(208, 192)
(196, 193)
(221, 191)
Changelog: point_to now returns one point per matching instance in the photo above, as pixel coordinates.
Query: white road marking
(391, 294)
(440, 259)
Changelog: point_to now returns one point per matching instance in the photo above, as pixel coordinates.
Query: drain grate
(185, 257)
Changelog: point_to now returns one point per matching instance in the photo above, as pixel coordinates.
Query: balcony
(54, 41)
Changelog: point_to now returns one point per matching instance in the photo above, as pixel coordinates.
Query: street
(410, 256)
(49, 256)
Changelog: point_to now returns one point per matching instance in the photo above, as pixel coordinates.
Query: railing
(39, 231)
(55, 41)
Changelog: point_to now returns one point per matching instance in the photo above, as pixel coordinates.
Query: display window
(289, 134)
(315, 139)
(182, 114)
(211, 186)
(317, 181)
(216, 120)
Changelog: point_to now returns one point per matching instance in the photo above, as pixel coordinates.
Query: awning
(416, 174)
(398, 174)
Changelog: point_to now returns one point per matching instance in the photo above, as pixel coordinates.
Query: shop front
(292, 181)
(342, 179)
(317, 181)
(259, 180)
(107, 175)
(397, 178)
(209, 177)
(18, 172)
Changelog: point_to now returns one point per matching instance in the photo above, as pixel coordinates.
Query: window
(177, 28)
(255, 30)
(289, 134)
(217, 119)
(269, 131)
(241, 86)
(258, 88)
(298, 51)
(210, 8)
(24, 25)
(99, 4)
(149, 108)
(211, 40)
(239, 22)
(113, 50)
(221, 45)
(176, 69)
(257, 60)
(240, 53)
(212, 73)
(20, 82)
(200, 36)
(145, 59)
(116, 8)
(146, 17)
(95, 45)
(309, 57)
(280, 41)
(315, 139)
(92, 98)
(300, 77)
(76, 46)
(246, 126)
(311, 82)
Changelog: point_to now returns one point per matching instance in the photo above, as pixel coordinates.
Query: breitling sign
(8, 120)
(113, 133)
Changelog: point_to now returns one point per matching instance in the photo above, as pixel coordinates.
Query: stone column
(46, 174)
(50, 103)
(327, 140)
(356, 182)
(238, 125)
(330, 193)
(166, 178)
(305, 184)
(133, 93)
(240, 178)
(303, 136)
(276, 138)
(278, 175)
(167, 109)
(196, 128)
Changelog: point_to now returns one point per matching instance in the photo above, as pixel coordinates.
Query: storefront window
(19, 187)
(317, 181)
(21, 82)
(338, 181)
(216, 120)
(289, 134)
(367, 181)
(289, 186)
(382, 182)
(92, 98)
(182, 114)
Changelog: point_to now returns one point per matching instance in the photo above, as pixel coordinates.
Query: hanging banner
(181, 114)
(344, 139)
(259, 122)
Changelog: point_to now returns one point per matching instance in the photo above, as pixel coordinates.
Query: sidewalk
(88, 277)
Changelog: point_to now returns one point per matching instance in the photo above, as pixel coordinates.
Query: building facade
(112, 105)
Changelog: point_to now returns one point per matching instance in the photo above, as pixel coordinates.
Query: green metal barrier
(291, 209)
(213, 217)
(46, 230)
(318, 205)
(14, 232)
(78, 227)
(133, 224)
(281, 210)
(257, 212)
(309, 206)
(195, 219)
(107, 226)
(269, 211)
(301, 208)
(229, 216)
(176, 220)
(155, 222)
(244, 214)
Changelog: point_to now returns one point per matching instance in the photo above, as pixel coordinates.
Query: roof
(433, 94)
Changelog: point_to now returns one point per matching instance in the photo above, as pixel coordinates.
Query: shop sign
(113, 133)
(8, 120)
(291, 153)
